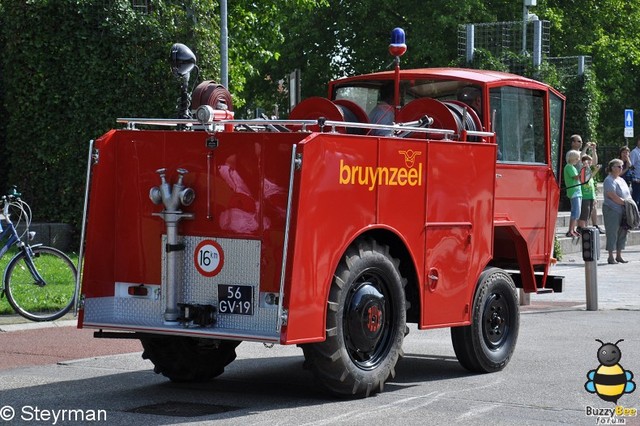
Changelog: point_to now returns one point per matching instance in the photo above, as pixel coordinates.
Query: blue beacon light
(397, 47)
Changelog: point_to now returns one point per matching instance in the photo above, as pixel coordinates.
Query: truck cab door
(527, 165)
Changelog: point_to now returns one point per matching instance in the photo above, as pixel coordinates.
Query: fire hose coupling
(172, 197)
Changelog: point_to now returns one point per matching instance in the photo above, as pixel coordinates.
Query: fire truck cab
(331, 230)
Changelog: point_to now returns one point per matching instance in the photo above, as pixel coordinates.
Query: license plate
(235, 299)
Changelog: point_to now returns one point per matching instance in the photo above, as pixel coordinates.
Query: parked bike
(39, 281)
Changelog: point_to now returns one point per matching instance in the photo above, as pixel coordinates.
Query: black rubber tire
(366, 322)
(188, 359)
(487, 344)
(41, 303)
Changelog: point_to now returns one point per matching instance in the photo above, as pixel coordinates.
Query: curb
(6, 328)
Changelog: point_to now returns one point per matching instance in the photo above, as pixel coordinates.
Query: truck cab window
(519, 124)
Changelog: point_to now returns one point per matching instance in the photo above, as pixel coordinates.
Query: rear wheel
(366, 317)
(487, 344)
(188, 359)
(41, 301)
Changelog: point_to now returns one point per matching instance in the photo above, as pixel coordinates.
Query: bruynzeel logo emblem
(410, 157)
(371, 176)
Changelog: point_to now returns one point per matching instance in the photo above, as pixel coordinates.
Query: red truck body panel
(300, 199)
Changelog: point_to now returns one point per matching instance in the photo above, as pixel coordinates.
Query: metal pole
(525, 18)
(590, 255)
(470, 42)
(591, 282)
(537, 43)
(224, 44)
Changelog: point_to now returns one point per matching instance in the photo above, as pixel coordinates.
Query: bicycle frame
(9, 232)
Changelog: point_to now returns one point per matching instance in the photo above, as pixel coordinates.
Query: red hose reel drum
(314, 108)
(341, 110)
(442, 116)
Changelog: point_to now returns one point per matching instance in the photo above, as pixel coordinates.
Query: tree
(78, 65)
(343, 38)
(606, 31)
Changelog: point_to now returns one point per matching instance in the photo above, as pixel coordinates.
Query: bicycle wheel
(41, 302)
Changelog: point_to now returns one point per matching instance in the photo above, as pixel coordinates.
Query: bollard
(590, 255)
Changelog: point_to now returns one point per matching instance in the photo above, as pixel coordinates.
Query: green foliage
(70, 67)
(76, 66)
(608, 32)
(583, 106)
(339, 38)
(557, 249)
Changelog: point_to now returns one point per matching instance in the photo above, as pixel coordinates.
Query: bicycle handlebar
(13, 192)
(13, 199)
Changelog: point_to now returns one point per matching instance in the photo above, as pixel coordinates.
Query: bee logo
(610, 381)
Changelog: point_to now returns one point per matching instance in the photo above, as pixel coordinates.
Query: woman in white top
(616, 191)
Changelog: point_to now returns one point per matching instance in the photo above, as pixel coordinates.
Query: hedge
(69, 68)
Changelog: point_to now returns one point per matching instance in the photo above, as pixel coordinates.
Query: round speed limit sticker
(208, 258)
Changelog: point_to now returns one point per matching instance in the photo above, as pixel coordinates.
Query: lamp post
(224, 45)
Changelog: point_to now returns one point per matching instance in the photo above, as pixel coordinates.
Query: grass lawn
(40, 299)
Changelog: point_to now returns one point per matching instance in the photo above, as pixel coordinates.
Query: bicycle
(39, 281)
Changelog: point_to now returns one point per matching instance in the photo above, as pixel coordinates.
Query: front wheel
(487, 344)
(366, 316)
(41, 301)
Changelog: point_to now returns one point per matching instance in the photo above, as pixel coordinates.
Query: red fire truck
(327, 230)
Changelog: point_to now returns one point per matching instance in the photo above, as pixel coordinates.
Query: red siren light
(397, 47)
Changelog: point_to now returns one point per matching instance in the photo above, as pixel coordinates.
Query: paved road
(543, 384)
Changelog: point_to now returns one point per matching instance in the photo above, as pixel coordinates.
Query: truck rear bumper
(145, 316)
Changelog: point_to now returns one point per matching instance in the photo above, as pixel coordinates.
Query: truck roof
(472, 75)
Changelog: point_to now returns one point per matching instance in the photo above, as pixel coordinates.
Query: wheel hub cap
(365, 318)
(495, 320)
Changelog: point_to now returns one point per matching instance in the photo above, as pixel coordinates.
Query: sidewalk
(618, 285)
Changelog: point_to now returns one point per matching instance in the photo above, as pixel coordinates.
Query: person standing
(574, 192)
(588, 194)
(627, 169)
(635, 181)
(576, 144)
(615, 192)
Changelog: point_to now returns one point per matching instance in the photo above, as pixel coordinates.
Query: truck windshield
(368, 93)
